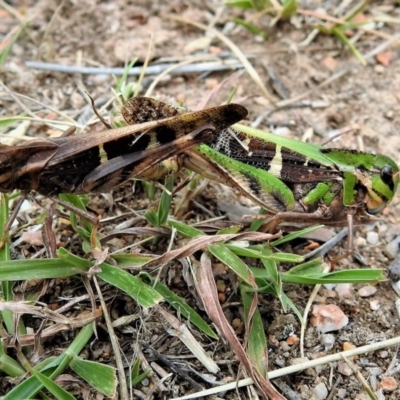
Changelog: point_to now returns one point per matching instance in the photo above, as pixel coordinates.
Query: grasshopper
(100, 161)
(296, 181)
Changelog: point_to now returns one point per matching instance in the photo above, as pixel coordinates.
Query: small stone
(280, 362)
(348, 346)
(284, 346)
(237, 324)
(221, 286)
(344, 369)
(392, 248)
(383, 354)
(360, 242)
(380, 69)
(320, 391)
(328, 341)
(388, 384)
(328, 318)
(374, 305)
(211, 83)
(394, 269)
(329, 293)
(373, 238)
(145, 382)
(310, 372)
(344, 290)
(341, 393)
(367, 291)
(389, 114)
(292, 339)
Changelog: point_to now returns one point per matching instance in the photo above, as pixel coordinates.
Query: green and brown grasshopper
(100, 161)
(295, 181)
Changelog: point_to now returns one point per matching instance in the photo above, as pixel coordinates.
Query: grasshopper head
(384, 182)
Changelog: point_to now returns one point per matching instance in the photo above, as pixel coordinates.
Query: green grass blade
(257, 342)
(57, 391)
(338, 32)
(245, 4)
(8, 47)
(165, 201)
(295, 235)
(136, 378)
(84, 227)
(181, 306)
(289, 8)
(226, 256)
(16, 270)
(255, 30)
(101, 377)
(6, 286)
(8, 365)
(347, 276)
(145, 295)
(29, 387)
(184, 229)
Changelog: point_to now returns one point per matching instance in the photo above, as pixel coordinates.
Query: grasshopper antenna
(105, 123)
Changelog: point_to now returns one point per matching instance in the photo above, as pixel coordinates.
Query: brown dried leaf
(200, 242)
(207, 289)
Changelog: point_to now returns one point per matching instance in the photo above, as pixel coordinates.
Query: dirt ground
(110, 34)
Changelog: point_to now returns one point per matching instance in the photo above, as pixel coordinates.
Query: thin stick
(222, 65)
(298, 367)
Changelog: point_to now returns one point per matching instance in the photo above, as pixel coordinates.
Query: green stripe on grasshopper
(261, 186)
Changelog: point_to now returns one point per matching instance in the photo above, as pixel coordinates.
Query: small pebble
(320, 391)
(341, 393)
(328, 341)
(367, 291)
(388, 384)
(292, 339)
(145, 382)
(221, 286)
(344, 290)
(344, 369)
(348, 346)
(284, 346)
(392, 248)
(374, 305)
(360, 242)
(372, 237)
(394, 268)
(328, 318)
(389, 114)
(280, 362)
(380, 69)
(383, 354)
(310, 372)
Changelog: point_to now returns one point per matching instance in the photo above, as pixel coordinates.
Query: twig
(220, 65)
(298, 367)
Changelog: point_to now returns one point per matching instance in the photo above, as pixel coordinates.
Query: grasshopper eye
(387, 174)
